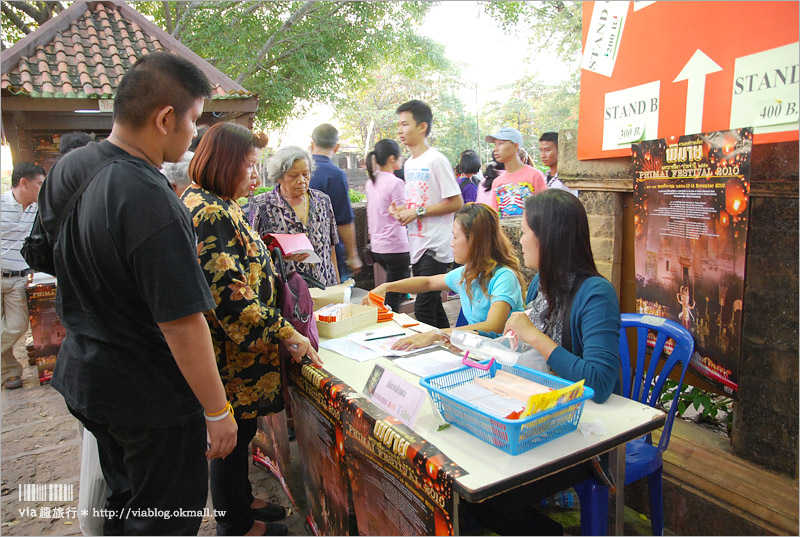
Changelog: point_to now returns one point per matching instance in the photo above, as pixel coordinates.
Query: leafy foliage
(21, 18)
(291, 53)
(556, 24)
(356, 196)
(708, 404)
(367, 111)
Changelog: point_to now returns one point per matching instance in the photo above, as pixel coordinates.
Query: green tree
(289, 52)
(367, 110)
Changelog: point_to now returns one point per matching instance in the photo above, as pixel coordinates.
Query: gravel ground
(40, 444)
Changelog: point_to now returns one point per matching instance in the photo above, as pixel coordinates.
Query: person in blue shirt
(331, 180)
(573, 313)
(489, 283)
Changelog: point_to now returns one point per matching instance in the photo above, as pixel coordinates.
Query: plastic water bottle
(565, 500)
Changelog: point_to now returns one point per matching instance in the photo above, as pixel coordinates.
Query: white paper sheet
(431, 363)
(349, 349)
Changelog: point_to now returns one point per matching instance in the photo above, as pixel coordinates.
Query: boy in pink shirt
(519, 181)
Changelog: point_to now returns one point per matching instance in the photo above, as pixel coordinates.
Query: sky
(488, 59)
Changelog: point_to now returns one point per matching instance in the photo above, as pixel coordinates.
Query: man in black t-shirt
(137, 366)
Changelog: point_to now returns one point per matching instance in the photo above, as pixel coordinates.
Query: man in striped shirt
(18, 210)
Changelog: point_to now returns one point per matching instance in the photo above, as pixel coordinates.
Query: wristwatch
(420, 212)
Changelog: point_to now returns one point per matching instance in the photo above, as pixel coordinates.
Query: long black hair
(383, 150)
(559, 221)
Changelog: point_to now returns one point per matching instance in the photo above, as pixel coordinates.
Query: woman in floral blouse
(246, 327)
(293, 207)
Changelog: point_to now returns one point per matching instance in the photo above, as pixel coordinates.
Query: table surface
(492, 471)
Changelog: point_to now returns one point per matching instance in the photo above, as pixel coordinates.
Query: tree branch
(296, 16)
(14, 18)
(167, 16)
(176, 33)
(28, 9)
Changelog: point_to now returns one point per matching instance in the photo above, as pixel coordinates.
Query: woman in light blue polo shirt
(489, 283)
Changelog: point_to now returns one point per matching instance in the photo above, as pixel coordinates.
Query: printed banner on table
(401, 484)
(46, 327)
(271, 451)
(318, 401)
(692, 198)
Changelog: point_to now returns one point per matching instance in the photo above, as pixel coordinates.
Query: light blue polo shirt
(503, 286)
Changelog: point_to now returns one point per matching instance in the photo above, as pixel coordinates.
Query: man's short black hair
(325, 136)
(73, 140)
(156, 80)
(420, 111)
(549, 137)
(28, 170)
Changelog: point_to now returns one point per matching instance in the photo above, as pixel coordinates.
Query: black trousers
(153, 473)
(428, 307)
(231, 490)
(397, 267)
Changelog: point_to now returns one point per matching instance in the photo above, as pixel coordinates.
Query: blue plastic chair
(642, 458)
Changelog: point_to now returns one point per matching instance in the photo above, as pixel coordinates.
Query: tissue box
(354, 317)
(334, 294)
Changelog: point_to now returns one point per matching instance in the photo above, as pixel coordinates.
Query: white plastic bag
(93, 488)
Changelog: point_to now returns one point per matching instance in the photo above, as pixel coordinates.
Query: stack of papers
(431, 363)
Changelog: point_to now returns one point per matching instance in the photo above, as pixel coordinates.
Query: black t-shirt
(125, 260)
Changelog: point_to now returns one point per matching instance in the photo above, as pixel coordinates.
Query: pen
(384, 337)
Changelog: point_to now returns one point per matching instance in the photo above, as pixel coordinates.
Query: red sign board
(658, 69)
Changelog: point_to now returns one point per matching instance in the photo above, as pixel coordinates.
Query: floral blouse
(245, 326)
(270, 213)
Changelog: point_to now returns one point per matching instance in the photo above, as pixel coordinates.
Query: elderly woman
(293, 207)
(246, 327)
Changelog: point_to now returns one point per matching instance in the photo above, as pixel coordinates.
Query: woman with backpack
(388, 238)
(469, 175)
(489, 283)
(246, 326)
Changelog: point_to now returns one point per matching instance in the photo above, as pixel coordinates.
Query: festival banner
(401, 484)
(46, 327)
(270, 449)
(318, 400)
(690, 227)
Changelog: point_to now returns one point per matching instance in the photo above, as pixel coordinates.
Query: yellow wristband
(226, 408)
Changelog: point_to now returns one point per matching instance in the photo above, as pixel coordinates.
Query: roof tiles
(88, 59)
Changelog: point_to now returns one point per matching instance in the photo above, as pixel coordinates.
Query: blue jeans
(151, 471)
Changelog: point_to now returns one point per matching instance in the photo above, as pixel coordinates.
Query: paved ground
(40, 444)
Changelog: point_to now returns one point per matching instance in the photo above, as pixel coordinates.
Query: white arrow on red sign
(695, 71)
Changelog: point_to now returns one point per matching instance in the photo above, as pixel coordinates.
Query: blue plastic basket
(512, 436)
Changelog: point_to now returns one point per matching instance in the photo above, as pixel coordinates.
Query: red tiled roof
(87, 56)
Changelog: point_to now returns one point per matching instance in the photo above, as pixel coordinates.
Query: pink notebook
(295, 243)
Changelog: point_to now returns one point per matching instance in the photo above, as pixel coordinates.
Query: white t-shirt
(429, 180)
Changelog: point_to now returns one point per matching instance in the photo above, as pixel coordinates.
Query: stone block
(764, 438)
(769, 363)
(569, 167)
(771, 315)
(599, 203)
(602, 226)
(773, 161)
(603, 250)
(773, 215)
(769, 394)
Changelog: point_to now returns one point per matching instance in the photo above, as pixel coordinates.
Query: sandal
(269, 513)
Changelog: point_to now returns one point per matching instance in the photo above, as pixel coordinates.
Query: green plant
(356, 196)
(708, 404)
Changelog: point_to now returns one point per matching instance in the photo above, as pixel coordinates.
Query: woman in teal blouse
(573, 313)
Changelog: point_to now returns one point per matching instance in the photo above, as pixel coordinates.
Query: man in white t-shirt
(432, 196)
(519, 181)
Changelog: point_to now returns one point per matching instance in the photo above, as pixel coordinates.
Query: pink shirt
(386, 235)
(511, 189)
